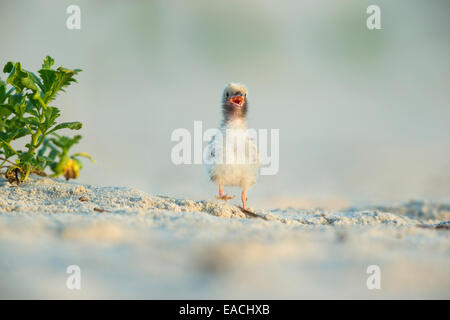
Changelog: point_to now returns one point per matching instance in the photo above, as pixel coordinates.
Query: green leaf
(67, 125)
(6, 146)
(52, 155)
(36, 80)
(3, 137)
(20, 79)
(15, 99)
(8, 67)
(25, 156)
(54, 81)
(64, 142)
(48, 62)
(31, 109)
(20, 107)
(6, 110)
(51, 114)
(3, 94)
(19, 133)
(34, 123)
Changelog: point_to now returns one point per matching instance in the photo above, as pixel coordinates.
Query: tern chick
(232, 155)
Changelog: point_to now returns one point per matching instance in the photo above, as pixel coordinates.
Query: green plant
(25, 113)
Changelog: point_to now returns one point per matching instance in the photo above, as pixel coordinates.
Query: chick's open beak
(237, 100)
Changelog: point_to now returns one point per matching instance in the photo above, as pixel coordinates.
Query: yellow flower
(71, 169)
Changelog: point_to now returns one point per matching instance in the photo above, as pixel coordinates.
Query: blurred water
(363, 115)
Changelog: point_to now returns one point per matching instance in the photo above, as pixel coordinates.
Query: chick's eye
(228, 94)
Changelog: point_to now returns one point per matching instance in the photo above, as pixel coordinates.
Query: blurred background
(363, 115)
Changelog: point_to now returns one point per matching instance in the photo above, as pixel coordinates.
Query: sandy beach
(129, 244)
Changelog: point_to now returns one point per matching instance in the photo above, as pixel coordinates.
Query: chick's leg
(244, 199)
(222, 195)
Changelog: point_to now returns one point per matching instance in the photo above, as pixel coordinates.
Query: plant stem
(7, 143)
(27, 173)
(6, 160)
